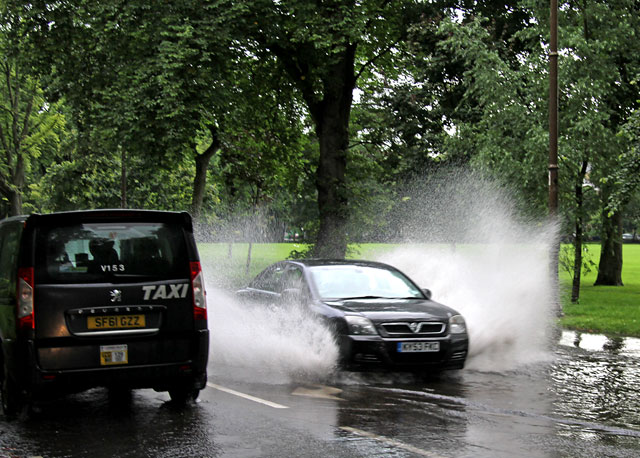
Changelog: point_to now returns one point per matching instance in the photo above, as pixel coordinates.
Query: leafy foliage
(29, 125)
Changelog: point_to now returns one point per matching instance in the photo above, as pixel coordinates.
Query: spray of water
(462, 238)
(277, 344)
(490, 264)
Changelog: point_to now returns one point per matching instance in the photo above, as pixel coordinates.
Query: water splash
(491, 265)
(273, 344)
(461, 236)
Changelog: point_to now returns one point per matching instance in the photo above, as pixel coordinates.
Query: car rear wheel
(182, 394)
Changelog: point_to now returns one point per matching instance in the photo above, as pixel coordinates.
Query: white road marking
(393, 442)
(246, 396)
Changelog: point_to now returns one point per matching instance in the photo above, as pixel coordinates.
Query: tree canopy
(316, 114)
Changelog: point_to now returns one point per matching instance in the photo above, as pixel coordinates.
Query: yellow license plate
(116, 322)
(114, 354)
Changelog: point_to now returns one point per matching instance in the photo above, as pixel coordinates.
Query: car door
(265, 288)
(294, 289)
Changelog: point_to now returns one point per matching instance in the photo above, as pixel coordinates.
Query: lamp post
(553, 143)
(553, 111)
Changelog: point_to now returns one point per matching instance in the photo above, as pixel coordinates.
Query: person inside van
(57, 258)
(103, 254)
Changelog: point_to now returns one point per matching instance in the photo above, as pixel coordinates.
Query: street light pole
(553, 144)
(553, 111)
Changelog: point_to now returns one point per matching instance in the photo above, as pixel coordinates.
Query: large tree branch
(15, 107)
(8, 81)
(373, 59)
(25, 122)
(215, 144)
(5, 187)
(300, 73)
(3, 140)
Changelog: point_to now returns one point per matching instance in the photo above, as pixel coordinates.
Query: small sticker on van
(174, 291)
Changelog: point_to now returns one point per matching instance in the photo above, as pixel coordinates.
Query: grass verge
(612, 310)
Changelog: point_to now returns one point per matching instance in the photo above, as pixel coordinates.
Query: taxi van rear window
(110, 252)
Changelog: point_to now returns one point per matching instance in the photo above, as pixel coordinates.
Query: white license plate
(418, 347)
(113, 354)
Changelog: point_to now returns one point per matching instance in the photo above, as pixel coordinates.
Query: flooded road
(583, 402)
(598, 379)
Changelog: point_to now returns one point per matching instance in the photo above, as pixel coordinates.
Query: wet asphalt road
(585, 402)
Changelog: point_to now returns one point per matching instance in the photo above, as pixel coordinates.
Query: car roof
(340, 262)
(109, 215)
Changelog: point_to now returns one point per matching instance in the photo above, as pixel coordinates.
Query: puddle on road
(600, 382)
(626, 346)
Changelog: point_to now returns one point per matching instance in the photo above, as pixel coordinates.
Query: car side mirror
(426, 292)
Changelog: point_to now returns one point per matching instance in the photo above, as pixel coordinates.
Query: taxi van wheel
(182, 395)
(11, 398)
(119, 396)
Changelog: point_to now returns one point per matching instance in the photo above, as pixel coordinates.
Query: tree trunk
(330, 112)
(331, 186)
(577, 262)
(610, 266)
(13, 192)
(200, 179)
(123, 179)
(15, 203)
(331, 118)
(577, 265)
(247, 266)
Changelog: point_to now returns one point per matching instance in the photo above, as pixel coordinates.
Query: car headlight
(457, 325)
(359, 325)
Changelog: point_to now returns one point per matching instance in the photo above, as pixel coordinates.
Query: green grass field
(602, 309)
(606, 309)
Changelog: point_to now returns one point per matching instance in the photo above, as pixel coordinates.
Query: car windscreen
(342, 282)
(110, 252)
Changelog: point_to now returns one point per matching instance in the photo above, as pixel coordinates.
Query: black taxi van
(111, 298)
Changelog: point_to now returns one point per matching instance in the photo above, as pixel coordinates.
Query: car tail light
(25, 298)
(199, 294)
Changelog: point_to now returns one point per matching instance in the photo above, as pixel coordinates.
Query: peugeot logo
(116, 295)
(415, 327)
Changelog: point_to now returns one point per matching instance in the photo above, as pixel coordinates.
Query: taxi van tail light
(199, 293)
(25, 298)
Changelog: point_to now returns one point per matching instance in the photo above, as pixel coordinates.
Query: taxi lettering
(174, 291)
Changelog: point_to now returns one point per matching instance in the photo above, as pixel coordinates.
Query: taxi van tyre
(15, 403)
(12, 402)
(182, 394)
(119, 396)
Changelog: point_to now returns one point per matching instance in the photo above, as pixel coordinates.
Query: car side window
(9, 245)
(292, 279)
(269, 280)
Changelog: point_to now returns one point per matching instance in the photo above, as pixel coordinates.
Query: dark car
(110, 298)
(378, 315)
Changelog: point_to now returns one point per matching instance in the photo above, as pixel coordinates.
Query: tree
(143, 78)
(326, 48)
(505, 103)
(494, 95)
(605, 51)
(27, 121)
